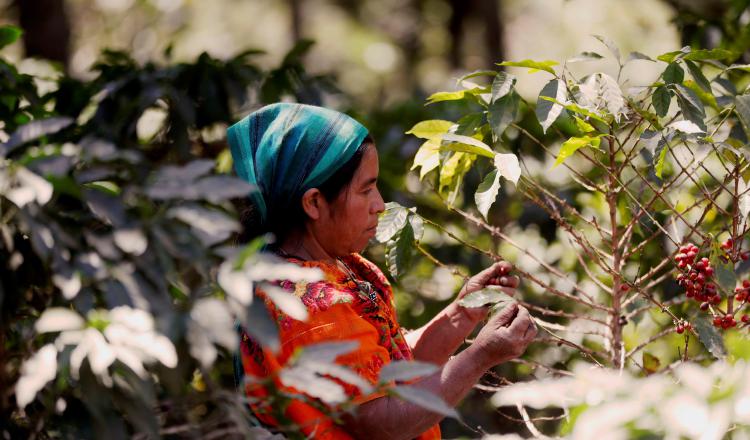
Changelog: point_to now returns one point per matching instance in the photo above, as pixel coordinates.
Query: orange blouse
(337, 312)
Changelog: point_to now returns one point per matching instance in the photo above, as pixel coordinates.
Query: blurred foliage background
(201, 65)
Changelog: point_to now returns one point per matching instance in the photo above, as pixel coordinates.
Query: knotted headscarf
(285, 149)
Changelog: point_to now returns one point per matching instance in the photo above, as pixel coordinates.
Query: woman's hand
(505, 336)
(496, 276)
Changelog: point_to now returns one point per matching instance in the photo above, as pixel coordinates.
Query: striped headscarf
(285, 149)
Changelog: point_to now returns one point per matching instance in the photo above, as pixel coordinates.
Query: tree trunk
(46, 29)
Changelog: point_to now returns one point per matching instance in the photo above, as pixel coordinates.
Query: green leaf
(661, 99)
(690, 105)
(660, 154)
(417, 225)
(584, 126)
(446, 96)
(570, 421)
(673, 74)
(585, 56)
(534, 66)
(391, 221)
(425, 399)
(651, 363)
(670, 56)
(9, 35)
(711, 54)
(405, 370)
(486, 296)
(427, 157)
(502, 85)
(466, 144)
(725, 276)
(610, 45)
(738, 345)
(502, 112)
(452, 172)
(430, 129)
(742, 108)
(575, 108)
(698, 76)
(574, 144)
(399, 251)
(547, 111)
(710, 337)
(487, 192)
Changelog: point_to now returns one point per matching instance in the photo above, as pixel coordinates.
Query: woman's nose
(379, 205)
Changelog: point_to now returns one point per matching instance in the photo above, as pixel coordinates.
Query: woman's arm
(437, 340)
(504, 337)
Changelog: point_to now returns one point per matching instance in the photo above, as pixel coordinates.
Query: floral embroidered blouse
(338, 311)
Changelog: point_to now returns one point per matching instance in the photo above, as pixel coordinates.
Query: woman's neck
(305, 246)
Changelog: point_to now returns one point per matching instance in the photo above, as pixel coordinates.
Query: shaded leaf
(710, 337)
(399, 251)
(425, 399)
(9, 35)
(502, 112)
(501, 85)
(673, 74)
(261, 326)
(326, 351)
(639, 56)
(711, 54)
(690, 105)
(725, 276)
(651, 363)
(547, 111)
(585, 56)
(610, 45)
(34, 130)
(661, 99)
(698, 76)
(742, 103)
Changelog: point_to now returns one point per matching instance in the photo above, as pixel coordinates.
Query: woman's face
(349, 221)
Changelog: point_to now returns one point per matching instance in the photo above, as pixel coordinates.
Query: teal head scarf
(285, 149)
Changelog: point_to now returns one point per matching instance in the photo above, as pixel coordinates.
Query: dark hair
(285, 219)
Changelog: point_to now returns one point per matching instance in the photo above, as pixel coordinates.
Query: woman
(316, 172)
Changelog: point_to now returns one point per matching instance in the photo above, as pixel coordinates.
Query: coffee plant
(647, 187)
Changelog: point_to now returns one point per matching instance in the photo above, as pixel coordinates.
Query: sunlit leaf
(286, 302)
(466, 144)
(405, 370)
(33, 131)
(391, 221)
(686, 127)
(533, 66)
(742, 103)
(487, 192)
(36, 372)
(508, 167)
(547, 111)
(639, 56)
(574, 144)
(427, 157)
(58, 319)
(430, 129)
(483, 297)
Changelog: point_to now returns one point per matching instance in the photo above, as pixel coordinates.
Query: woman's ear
(312, 203)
